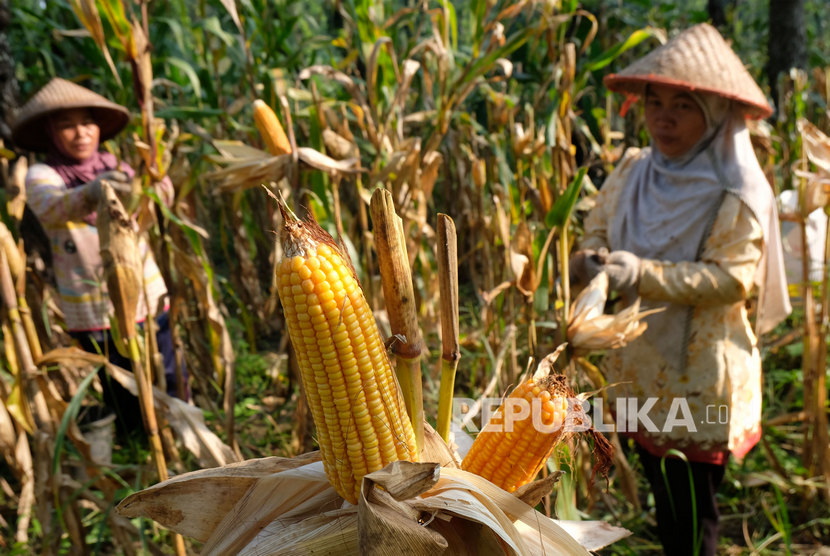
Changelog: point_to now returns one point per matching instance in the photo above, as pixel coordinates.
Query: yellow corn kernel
(512, 458)
(355, 400)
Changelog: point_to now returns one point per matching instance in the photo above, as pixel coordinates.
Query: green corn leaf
(188, 70)
(560, 212)
(614, 52)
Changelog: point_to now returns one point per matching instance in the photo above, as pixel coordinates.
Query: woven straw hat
(29, 127)
(698, 59)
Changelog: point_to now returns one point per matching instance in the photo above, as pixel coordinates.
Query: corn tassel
(355, 400)
(270, 129)
(511, 450)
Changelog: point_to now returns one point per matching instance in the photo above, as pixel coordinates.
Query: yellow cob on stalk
(355, 400)
(523, 433)
(510, 451)
(270, 129)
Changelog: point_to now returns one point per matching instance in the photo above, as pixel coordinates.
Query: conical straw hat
(29, 127)
(698, 59)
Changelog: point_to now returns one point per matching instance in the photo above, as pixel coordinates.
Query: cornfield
(400, 184)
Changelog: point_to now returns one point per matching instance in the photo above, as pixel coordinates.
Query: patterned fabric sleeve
(51, 201)
(726, 269)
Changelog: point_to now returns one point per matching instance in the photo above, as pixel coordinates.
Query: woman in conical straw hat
(689, 225)
(67, 122)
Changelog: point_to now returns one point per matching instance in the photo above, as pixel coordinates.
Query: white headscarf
(668, 207)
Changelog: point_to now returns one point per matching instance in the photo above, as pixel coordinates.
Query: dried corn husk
(418, 509)
(590, 329)
(246, 167)
(121, 258)
(218, 489)
(817, 147)
(338, 146)
(436, 450)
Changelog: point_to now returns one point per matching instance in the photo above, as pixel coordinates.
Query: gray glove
(623, 269)
(584, 265)
(118, 180)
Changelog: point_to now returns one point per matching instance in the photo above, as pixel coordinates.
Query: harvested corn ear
(355, 399)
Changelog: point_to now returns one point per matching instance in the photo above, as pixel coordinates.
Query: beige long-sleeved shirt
(713, 406)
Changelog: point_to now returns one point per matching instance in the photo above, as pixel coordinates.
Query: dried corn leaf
(187, 421)
(816, 144)
(87, 12)
(521, 260)
(338, 146)
(231, 151)
(816, 192)
(339, 77)
(18, 406)
(192, 266)
(410, 68)
(593, 535)
(316, 159)
(428, 172)
(247, 167)
(249, 173)
(817, 147)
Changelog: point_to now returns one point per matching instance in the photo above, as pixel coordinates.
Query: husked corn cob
(359, 412)
(521, 435)
(270, 128)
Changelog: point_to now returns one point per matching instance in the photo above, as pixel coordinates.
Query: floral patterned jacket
(76, 255)
(713, 406)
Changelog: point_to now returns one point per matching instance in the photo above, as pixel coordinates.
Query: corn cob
(270, 128)
(509, 452)
(359, 412)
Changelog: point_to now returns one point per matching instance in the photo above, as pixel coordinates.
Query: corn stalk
(813, 194)
(447, 255)
(407, 344)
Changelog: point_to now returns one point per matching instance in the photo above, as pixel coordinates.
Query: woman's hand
(118, 180)
(586, 264)
(623, 270)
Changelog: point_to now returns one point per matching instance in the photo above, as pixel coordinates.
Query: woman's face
(76, 133)
(673, 119)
